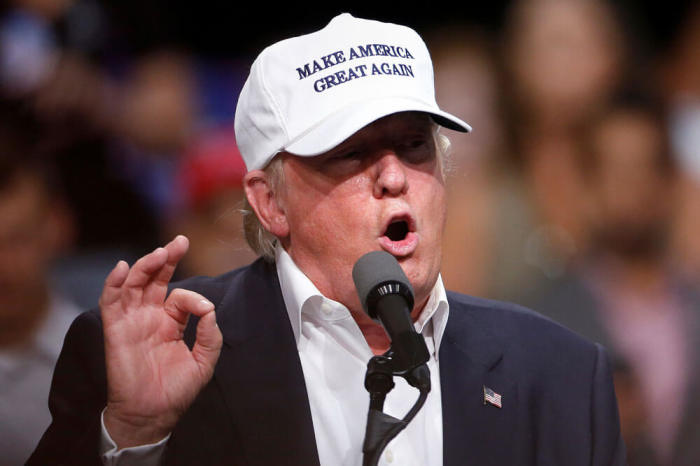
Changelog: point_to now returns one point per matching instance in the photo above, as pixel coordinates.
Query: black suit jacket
(558, 402)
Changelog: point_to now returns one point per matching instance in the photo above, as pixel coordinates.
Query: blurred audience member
(210, 178)
(626, 294)
(58, 82)
(35, 227)
(156, 122)
(466, 83)
(28, 44)
(562, 58)
(682, 86)
(157, 105)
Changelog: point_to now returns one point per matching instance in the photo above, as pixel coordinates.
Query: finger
(112, 290)
(157, 289)
(141, 274)
(207, 346)
(181, 303)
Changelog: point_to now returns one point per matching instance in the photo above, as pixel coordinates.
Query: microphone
(387, 297)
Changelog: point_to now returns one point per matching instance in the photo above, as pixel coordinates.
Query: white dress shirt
(334, 356)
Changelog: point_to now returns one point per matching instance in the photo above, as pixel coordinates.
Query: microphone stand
(381, 427)
(387, 296)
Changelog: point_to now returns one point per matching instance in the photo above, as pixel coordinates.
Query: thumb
(208, 343)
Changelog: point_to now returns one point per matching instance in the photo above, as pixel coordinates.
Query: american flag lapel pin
(492, 397)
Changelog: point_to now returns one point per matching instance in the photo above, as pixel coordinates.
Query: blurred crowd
(576, 194)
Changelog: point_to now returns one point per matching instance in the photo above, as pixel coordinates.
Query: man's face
(632, 193)
(25, 237)
(381, 189)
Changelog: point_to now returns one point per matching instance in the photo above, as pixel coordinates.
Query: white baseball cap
(307, 94)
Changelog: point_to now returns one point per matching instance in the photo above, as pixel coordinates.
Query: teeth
(397, 231)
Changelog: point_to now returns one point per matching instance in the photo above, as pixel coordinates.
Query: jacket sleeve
(78, 395)
(608, 446)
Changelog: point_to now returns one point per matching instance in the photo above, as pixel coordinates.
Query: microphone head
(377, 274)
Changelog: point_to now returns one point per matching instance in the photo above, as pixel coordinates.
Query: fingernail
(205, 304)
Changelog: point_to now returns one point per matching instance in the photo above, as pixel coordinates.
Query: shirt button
(389, 455)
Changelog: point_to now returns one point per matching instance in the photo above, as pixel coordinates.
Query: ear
(266, 203)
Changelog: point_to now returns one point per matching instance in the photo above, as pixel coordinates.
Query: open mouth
(397, 230)
(400, 237)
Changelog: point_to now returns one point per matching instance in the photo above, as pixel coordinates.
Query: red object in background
(210, 165)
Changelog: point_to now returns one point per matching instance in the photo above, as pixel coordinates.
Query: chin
(422, 276)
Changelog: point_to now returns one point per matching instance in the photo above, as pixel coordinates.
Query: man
(34, 316)
(337, 129)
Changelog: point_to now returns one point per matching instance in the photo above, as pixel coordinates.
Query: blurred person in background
(626, 293)
(34, 316)
(28, 47)
(157, 115)
(467, 83)
(562, 59)
(681, 77)
(44, 48)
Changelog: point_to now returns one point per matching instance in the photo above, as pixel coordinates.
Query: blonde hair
(263, 242)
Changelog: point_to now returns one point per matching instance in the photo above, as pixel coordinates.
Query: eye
(347, 154)
(344, 161)
(417, 149)
(417, 143)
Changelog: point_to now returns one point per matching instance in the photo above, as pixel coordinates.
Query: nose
(391, 179)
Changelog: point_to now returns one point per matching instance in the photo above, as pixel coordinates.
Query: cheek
(333, 223)
(432, 201)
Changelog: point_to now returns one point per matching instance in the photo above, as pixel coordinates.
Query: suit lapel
(260, 374)
(475, 432)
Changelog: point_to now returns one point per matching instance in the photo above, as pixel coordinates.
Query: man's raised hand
(152, 376)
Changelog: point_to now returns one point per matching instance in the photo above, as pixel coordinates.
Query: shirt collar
(297, 290)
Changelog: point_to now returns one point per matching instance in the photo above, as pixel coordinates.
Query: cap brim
(336, 128)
